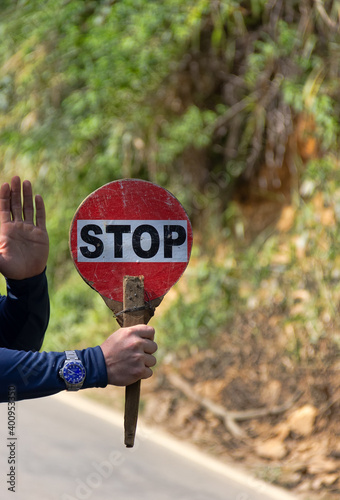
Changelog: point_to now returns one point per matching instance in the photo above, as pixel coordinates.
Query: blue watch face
(74, 372)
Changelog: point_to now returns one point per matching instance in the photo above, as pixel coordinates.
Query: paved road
(70, 449)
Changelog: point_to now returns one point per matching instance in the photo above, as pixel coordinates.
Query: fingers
(147, 374)
(40, 212)
(15, 199)
(5, 205)
(149, 360)
(147, 347)
(129, 353)
(146, 334)
(144, 331)
(28, 209)
(13, 207)
(144, 370)
(150, 347)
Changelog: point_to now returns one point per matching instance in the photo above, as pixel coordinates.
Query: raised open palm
(23, 242)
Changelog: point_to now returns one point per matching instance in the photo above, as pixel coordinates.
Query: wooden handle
(133, 304)
(132, 393)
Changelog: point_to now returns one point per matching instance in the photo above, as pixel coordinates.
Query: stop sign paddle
(131, 241)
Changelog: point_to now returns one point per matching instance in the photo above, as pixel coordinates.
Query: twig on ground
(229, 418)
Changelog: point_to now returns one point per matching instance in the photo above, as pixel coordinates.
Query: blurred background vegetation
(231, 105)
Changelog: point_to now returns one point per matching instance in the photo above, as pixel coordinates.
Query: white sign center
(132, 241)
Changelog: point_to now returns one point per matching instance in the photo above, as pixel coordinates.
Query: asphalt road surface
(66, 448)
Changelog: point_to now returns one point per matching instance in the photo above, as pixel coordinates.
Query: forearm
(24, 313)
(34, 374)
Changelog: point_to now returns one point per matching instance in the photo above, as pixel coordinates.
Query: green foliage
(201, 311)
(78, 317)
(323, 172)
(194, 128)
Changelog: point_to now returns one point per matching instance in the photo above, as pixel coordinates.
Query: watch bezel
(71, 382)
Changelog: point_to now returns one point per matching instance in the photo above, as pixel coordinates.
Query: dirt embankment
(284, 418)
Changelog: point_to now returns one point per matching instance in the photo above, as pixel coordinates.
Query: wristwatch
(72, 372)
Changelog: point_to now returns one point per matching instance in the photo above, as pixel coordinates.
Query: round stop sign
(131, 227)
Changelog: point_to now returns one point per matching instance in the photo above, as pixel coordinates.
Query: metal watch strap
(71, 355)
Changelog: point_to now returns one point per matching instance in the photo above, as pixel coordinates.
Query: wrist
(94, 363)
(26, 280)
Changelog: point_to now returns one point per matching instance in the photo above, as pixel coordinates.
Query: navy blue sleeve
(35, 374)
(24, 313)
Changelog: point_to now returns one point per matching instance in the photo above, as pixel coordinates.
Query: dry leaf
(273, 449)
(286, 220)
(301, 421)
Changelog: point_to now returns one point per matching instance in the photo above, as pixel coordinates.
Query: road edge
(144, 432)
